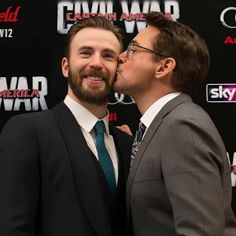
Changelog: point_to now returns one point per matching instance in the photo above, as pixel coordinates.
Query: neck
(144, 101)
(100, 111)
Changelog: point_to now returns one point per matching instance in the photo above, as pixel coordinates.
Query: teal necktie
(104, 157)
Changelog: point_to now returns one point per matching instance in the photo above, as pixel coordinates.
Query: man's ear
(65, 67)
(164, 67)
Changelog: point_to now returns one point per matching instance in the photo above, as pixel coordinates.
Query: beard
(95, 96)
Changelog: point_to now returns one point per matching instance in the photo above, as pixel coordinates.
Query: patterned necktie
(104, 157)
(137, 140)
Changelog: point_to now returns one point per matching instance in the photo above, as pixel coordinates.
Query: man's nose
(122, 58)
(96, 61)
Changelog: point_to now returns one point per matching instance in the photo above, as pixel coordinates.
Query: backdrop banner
(31, 48)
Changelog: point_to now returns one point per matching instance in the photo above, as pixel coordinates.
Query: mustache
(94, 73)
(118, 70)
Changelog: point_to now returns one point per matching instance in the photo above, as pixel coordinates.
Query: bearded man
(63, 171)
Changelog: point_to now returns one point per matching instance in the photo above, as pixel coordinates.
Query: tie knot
(140, 132)
(141, 127)
(99, 127)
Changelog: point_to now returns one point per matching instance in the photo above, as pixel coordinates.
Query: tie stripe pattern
(137, 140)
(104, 157)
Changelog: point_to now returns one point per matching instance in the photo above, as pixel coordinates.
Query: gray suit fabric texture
(179, 183)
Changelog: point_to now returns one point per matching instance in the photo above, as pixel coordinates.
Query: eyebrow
(85, 47)
(103, 50)
(134, 42)
(109, 50)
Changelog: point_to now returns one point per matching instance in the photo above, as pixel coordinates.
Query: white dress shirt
(87, 120)
(155, 108)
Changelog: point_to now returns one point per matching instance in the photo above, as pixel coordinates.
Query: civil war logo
(131, 12)
(22, 93)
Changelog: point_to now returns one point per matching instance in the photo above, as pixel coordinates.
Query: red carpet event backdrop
(31, 48)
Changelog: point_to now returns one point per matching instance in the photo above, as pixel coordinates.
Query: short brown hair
(98, 22)
(189, 50)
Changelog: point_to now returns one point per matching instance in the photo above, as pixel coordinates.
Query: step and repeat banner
(31, 48)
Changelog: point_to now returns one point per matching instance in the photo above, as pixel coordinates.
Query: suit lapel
(123, 146)
(93, 194)
(123, 149)
(147, 138)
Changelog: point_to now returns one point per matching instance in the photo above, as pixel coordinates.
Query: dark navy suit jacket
(51, 184)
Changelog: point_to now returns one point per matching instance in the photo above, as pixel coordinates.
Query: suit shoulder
(32, 116)
(28, 121)
(189, 110)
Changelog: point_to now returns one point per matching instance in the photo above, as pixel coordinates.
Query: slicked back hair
(189, 50)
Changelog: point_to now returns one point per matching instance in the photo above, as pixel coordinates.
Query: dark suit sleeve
(19, 178)
(196, 175)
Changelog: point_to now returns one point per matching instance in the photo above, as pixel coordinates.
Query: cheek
(77, 64)
(112, 70)
(137, 74)
(134, 70)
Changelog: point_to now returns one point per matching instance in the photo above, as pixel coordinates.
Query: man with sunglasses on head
(179, 180)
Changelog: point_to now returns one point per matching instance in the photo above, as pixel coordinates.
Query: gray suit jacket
(179, 183)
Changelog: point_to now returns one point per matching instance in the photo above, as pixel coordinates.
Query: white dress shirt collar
(154, 109)
(84, 117)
